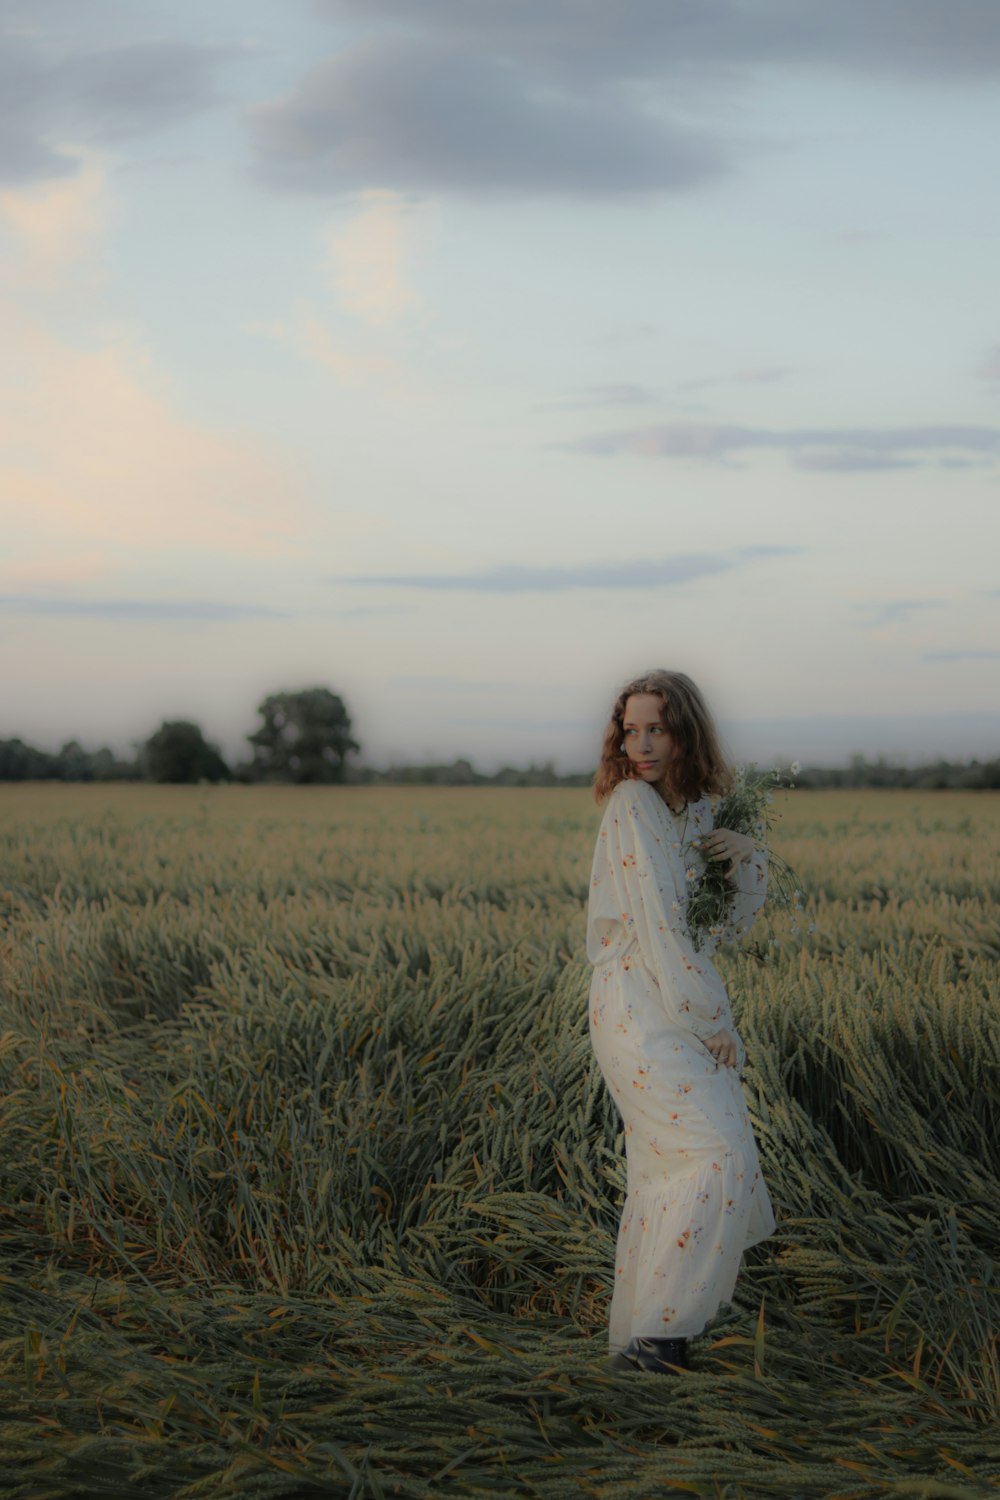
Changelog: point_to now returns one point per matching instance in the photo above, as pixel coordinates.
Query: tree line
(304, 737)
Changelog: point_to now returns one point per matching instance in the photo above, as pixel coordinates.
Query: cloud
(851, 461)
(309, 335)
(367, 259)
(845, 449)
(971, 653)
(572, 98)
(766, 375)
(428, 117)
(53, 96)
(644, 573)
(93, 451)
(137, 609)
(54, 224)
(899, 609)
(127, 91)
(91, 448)
(615, 394)
(649, 38)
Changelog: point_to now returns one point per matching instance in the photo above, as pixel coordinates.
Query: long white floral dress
(695, 1195)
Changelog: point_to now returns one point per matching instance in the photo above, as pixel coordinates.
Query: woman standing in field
(661, 1025)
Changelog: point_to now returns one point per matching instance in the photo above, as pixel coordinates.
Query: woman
(661, 1025)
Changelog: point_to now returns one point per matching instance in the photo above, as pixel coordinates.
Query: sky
(471, 357)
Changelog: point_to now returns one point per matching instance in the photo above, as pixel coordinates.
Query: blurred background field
(310, 1184)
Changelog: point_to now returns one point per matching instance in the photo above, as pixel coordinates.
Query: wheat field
(310, 1185)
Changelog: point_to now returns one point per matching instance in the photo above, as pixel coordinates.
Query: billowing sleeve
(647, 877)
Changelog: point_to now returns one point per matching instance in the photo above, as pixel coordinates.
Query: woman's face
(648, 745)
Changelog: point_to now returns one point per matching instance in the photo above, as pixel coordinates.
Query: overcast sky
(468, 357)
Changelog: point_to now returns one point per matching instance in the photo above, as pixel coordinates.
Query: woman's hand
(723, 1048)
(728, 846)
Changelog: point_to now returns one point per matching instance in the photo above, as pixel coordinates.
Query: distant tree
(543, 775)
(106, 766)
(179, 752)
(980, 776)
(458, 772)
(21, 762)
(305, 738)
(72, 763)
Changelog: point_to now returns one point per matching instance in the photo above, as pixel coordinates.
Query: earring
(621, 748)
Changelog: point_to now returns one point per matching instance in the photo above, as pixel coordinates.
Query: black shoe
(661, 1356)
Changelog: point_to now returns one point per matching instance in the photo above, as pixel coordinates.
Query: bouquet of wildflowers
(745, 808)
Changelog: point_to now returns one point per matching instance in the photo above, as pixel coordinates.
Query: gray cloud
(950, 461)
(568, 97)
(835, 449)
(137, 609)
(24, 153)
(899, 609)
(851, 461)
(430, 116)
(642, 39)
(129, 90)
(94, 95)
(971, 653)
(667, 572)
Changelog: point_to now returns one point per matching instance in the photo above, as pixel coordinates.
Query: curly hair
(700, 768)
